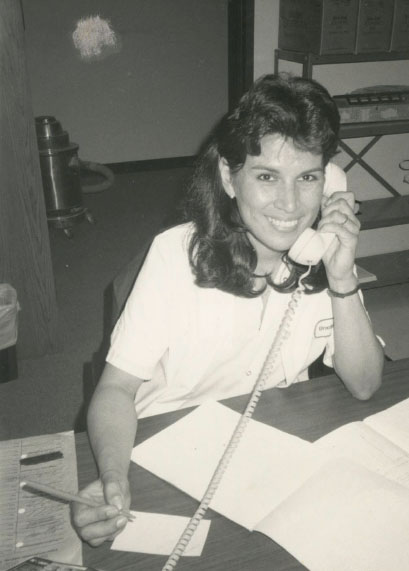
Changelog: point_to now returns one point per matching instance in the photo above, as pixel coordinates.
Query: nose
(287, 197)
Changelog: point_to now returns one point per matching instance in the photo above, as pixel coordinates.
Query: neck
(268, 265)
(267, 260)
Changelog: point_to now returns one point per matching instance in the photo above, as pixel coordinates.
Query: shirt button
(248, 373)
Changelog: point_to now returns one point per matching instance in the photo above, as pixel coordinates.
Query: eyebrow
(271, 169)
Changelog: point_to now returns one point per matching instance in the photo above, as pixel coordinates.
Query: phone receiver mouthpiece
(310, 247)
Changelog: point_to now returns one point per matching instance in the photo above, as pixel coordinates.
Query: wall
(157, 97)
(386, 155)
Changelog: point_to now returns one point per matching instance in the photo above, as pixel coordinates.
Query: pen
(69, 497)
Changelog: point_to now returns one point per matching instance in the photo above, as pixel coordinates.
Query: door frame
(240, 48)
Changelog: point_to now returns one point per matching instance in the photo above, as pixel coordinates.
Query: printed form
(33, 523)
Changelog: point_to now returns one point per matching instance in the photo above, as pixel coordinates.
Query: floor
(51, 392)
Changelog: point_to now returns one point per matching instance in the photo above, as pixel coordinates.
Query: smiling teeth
(282, 223)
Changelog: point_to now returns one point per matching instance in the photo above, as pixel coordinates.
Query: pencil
(60, 494)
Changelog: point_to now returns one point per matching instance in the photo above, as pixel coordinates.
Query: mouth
(282, 225)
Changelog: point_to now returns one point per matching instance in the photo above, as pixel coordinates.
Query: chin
(281, 246)
(285, 240)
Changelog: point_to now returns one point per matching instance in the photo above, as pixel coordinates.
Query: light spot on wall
(95, 39)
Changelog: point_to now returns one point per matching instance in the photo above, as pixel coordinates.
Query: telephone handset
(309, 248)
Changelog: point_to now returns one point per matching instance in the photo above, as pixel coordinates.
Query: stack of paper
(267, 465)
(341, 503)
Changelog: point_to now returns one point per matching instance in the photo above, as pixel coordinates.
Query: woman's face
(278, 193)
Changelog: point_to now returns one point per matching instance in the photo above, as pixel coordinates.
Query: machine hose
(100, 169)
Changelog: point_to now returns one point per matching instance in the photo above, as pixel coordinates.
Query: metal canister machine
(60, 171)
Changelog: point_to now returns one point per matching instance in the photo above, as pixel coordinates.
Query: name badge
(324, 327)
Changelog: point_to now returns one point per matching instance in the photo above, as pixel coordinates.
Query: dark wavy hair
(220, 253)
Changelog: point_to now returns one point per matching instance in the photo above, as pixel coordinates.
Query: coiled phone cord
(269, 362)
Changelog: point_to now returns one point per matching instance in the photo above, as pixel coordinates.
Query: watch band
(333, 293)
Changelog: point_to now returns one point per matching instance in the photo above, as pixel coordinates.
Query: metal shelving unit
(376, 130)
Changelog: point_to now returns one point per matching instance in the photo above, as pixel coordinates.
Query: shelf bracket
(357, 159)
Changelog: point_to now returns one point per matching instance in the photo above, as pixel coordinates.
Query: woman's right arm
(112, 427)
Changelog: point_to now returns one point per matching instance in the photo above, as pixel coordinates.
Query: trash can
(8, 333)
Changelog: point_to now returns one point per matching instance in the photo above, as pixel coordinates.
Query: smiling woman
(278, 195)
(259, 184)
(199, 324)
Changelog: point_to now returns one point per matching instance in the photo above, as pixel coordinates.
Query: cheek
(312, 203)
(246, 209)
(248, 199)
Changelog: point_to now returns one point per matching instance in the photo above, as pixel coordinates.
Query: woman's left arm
(359, 357)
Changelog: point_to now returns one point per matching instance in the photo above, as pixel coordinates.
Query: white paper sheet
(360, 443)
(158, 534)
(267, 465)
(393, 423)
(344, 518)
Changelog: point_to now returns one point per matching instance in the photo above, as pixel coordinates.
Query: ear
(226, 178)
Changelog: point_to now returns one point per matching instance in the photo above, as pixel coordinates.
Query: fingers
(357, 207)
(102, 523)
(96, 525)
(340, 224)
(116, 493)
(338, 215)
(348, 197)
(104, 528)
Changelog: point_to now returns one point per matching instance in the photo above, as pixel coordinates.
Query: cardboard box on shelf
(318, 26)
(374, 26)
(400, 26)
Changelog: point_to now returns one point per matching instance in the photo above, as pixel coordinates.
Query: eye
(266, 177)
(308, 178)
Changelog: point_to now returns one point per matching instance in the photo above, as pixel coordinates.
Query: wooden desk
(390, 269)
(308, 410)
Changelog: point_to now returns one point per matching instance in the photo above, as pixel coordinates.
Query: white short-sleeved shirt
(192, 343)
